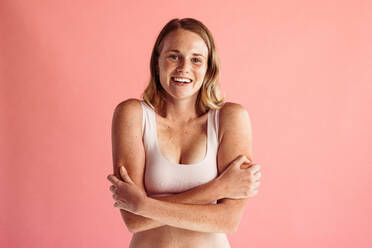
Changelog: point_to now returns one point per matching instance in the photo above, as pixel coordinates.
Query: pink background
(301, 68)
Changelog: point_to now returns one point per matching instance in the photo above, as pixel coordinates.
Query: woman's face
(183, 55)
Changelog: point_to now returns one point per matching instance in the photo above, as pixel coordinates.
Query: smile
(180, 81)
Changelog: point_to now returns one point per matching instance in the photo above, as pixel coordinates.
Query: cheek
(165, 67)
(202, 71)
(164, 70)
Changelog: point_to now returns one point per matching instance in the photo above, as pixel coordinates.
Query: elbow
(132, 227)
(130, 222)
(229, 224)
(236, 217)
(132, 230)
(233, 218)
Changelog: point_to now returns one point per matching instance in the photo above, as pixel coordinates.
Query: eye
(196, 60)
(173, 56)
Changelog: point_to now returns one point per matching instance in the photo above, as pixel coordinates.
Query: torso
(173, 237)
(185, 145)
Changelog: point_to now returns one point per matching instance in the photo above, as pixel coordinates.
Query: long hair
(208, 95)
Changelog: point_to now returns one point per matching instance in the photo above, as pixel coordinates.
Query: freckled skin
(182, 63)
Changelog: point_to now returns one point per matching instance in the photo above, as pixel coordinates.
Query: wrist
(143, 205)
(219, 186)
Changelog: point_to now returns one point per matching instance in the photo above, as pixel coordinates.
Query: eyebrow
(175, 50)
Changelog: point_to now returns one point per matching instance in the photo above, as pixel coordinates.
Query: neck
(179, 110)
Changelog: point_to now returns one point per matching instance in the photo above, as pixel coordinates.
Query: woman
(183, 168)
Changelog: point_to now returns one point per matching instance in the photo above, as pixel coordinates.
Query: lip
(182, 77)
(180, 84)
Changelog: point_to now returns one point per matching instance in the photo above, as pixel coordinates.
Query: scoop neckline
(177, 164)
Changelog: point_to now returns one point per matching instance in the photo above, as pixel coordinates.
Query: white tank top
(163, 177)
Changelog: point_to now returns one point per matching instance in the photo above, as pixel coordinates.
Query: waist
(168, 236)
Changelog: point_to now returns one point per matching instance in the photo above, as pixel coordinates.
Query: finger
(257, 174)
(117, 205)
(114, 179)
(117, 197)
(240, 160)
(113, 189)
(254, 168)
(124, 174)
(256, 184)
(255, 192)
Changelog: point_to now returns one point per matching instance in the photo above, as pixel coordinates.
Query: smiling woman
(182, 64)
(183, 167)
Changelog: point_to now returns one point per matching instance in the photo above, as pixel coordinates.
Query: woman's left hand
(128, 196)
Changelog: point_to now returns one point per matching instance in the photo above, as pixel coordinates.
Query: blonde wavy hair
(208, 96)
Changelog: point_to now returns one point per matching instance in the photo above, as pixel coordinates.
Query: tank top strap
(213, 123)
(216, 122)
(149, 125)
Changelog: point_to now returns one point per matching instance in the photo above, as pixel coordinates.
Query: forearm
(216, 218)
(202, 194)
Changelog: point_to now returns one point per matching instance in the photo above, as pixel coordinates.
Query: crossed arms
(189, 209)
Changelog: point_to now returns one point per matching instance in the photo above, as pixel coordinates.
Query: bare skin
(170, 223)
(229, 184)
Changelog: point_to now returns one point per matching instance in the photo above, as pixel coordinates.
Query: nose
(182, 66)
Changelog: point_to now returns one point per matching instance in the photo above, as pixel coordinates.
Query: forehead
(184, 41)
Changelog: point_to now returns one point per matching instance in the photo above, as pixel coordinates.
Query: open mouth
(180, 81)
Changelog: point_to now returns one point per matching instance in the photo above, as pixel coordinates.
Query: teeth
(182, 80)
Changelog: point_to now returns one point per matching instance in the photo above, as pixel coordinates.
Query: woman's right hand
(240, 181)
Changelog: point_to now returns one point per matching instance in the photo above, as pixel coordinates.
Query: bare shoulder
(130, 107)
(233, 116)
